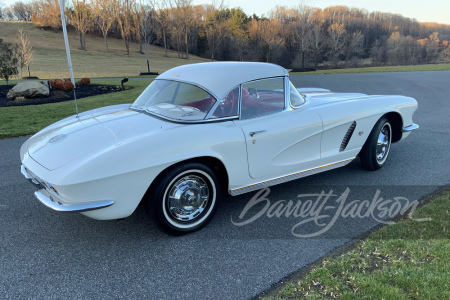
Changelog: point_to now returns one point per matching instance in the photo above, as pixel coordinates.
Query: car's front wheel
(184, 198)
(375, 151)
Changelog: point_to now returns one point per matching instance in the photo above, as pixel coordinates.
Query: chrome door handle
(256, 132)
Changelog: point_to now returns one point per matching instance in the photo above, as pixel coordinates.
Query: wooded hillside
(336, 36)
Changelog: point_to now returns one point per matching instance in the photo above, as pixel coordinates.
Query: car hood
(92, 131)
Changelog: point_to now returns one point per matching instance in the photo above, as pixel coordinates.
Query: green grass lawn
(26, 120)
(408, 260)
(415, 68)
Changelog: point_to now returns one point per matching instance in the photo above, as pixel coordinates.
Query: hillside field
(50, 59)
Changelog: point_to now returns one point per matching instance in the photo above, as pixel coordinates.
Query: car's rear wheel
(376, 149)
(184, 198)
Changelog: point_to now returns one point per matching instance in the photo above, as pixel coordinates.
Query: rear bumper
(410, 128)
(54, 203)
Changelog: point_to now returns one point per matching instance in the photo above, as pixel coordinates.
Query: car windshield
(175, 100)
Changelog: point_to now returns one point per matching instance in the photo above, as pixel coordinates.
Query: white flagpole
(66, 41)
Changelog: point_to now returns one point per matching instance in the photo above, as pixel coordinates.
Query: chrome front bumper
(54, 204)
(58, 206)
(32, 180)
(410, 127)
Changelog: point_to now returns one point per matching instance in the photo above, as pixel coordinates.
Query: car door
(279, 141)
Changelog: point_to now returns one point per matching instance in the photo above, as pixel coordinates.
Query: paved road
(45, 255)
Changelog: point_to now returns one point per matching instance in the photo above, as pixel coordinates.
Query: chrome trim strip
(217, 103)
(212, 110)
(183, 121)
(28, 177)
(71, 208)
(287, 94)
(263, 78)
(240, 102)
(410, 127)
(286, 178)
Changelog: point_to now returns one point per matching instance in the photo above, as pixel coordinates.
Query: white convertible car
(201, 129)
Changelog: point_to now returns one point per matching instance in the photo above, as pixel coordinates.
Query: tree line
(299, 37)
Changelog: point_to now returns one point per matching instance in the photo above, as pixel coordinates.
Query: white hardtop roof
(220, 77)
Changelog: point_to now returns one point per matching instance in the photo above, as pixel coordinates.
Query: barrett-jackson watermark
(324, 209)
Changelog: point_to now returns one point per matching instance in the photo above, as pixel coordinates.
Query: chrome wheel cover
(187, 198)
(383, 143)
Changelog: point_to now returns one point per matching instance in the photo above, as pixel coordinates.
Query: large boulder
(28, 89)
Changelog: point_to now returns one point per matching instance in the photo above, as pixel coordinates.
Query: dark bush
(58, 84)
(85, 81)
(68, 86)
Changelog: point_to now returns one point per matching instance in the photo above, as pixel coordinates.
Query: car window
(228, 106)
(295, 97)
(262, 97)
(175, 100)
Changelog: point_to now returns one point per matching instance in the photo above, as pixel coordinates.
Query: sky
(423, 11)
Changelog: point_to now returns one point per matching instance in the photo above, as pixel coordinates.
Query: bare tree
(216, 25)
(8, 14)
(378, 53)
(445, 54)
(81, 18)
(22, 11)
(46, 13)
(254, 33)
(270, 33)
(303, 30)
(283, 14)
(241, 44)
(337, 40)
(127, 21)
(402, 50)
(432, 47)
(162, 15)
(176, 28)
(24, 51)
(395, 45)
(185, 22)
(146, 30)
(356, 44)
(104, 12)
(317, 42)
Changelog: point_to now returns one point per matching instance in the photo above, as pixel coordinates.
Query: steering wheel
(230, 102)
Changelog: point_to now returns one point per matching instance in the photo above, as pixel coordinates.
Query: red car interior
(261, 103)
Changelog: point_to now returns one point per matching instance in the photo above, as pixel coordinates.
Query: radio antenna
(69, 60)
